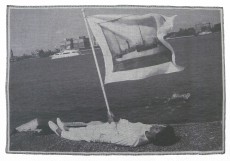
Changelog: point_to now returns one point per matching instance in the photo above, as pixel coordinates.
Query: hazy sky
(44, 28)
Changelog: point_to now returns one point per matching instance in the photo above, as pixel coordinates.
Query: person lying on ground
(122, 132)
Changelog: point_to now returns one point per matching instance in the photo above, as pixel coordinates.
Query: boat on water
(205, 33)
(65, 54)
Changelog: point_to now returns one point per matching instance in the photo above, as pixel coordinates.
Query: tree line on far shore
(39, 53)
(193, 32)
(42, 54)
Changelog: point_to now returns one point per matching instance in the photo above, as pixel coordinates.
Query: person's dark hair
(166, 137)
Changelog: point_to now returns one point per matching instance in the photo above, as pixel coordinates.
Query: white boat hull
(64, 55)
(205, 33)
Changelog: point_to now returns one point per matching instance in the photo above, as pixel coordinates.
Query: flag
(133, 46)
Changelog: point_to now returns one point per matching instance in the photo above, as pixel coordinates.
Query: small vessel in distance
(65, 54)
(205, 33)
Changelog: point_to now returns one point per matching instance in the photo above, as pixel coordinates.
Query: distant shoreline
(179, 37)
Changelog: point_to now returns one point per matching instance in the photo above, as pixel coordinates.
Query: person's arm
(75, 124)
(110, 117)
(81, 124)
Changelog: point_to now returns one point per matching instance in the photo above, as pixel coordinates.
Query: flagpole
(110, 115)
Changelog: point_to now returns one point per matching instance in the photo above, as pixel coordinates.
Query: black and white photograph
(124, 80)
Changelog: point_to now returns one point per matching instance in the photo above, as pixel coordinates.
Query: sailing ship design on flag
(133, 46)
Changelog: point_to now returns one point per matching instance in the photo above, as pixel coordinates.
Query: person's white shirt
(122, 133)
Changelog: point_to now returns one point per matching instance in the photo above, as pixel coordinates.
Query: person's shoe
(54, 128)
(61, 125)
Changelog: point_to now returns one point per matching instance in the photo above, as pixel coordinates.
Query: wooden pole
(110, 115)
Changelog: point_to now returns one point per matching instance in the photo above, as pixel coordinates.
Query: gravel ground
(194, 137)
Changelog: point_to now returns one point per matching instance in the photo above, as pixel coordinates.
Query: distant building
(62, 47)
(74, 44)
(85, 41)
(12, 57)
(203, 27)
(95, 42)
